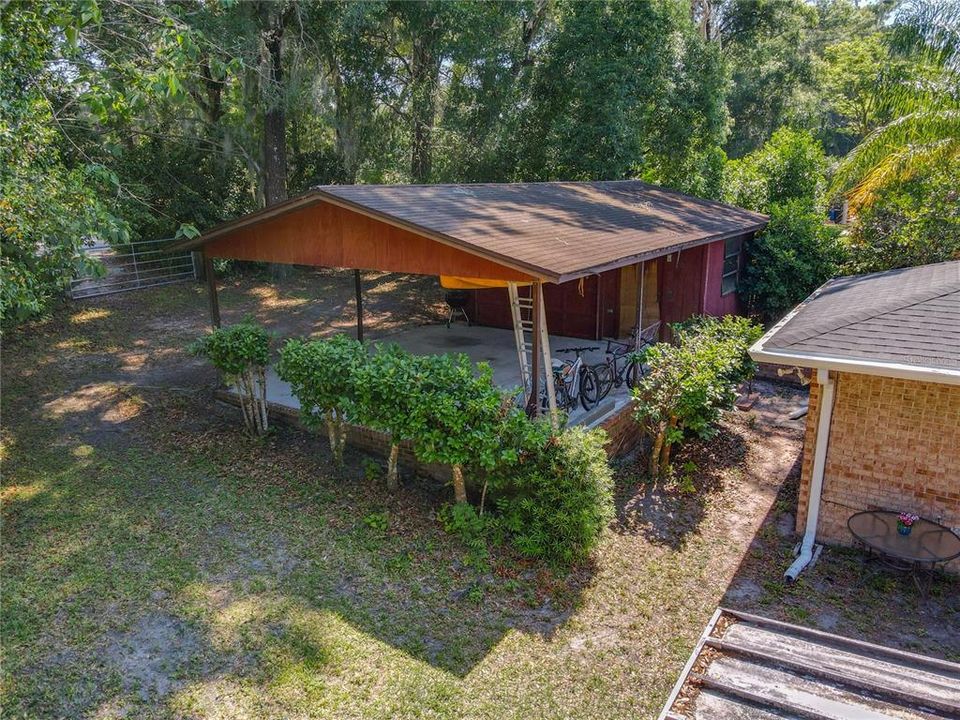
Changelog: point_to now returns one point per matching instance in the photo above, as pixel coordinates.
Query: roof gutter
(923, 373)
(820, 361)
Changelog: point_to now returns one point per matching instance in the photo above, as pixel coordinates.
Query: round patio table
(928, 544)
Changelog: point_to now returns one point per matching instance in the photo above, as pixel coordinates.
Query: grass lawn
(156, 562)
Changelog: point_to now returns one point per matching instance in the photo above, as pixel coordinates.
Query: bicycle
(574, 381)
(623, 363)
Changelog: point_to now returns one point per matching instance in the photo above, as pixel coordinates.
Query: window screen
(731, 265)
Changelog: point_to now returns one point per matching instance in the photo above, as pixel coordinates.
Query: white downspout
(816, 476)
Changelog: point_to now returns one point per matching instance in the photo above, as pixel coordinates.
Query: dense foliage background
(131, 119)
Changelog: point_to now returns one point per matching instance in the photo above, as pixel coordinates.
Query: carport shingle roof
(555, 230)
(909, 316)
(563, 228)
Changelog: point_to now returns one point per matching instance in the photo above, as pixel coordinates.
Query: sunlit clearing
(77, 343)
(270, 298)
(89, 315)
(114, 405)
(308, 660)
(19, 493)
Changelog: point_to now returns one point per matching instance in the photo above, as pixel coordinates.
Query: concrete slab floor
(495, 346)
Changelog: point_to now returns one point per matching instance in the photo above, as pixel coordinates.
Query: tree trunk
(274, 118)
(341, 437)
(393, 475)
(333, 436)
(262, 395)
(242, 396)
(667, 445)
(665, 457)
(345, 129)
(653, 468)
(459, 486)
(483, 495)
(425, 74)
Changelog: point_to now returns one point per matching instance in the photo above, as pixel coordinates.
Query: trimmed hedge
(550, 493)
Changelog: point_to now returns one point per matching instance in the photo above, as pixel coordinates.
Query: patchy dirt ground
(158, 563)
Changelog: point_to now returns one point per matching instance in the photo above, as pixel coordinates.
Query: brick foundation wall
(623, 433)
(894, 445)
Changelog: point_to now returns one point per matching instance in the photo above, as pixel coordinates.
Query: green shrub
(555, 499)
(551, 494)
(792, 257)
(323, 377)
(457, 415)
(688, 384)
(387, 394)
(473, 529)
(734, 333)
(790, 167)
(241, 352)
(916, 222)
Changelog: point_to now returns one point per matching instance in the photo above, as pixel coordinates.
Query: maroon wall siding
(713, 302)
(688, 283)
(691, 283)
(572, 308)
(680, 283)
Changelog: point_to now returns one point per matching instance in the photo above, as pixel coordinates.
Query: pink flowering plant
(907, 519)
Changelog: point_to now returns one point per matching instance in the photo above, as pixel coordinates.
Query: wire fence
(134, 266)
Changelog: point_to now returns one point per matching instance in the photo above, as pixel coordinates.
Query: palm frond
(908, 139)
(930, 28)
(900, 166)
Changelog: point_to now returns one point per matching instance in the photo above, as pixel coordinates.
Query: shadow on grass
(667, 512)
(150, 547)
(201, 557)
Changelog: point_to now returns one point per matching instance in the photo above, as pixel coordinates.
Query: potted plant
(905, 522)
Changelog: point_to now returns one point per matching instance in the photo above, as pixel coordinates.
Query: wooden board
(747, 667)
(329, 236)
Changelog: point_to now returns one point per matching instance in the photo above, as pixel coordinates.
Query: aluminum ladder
(522, 309)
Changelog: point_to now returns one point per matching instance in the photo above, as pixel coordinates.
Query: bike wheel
(561, 393)
(634, 373)
(589, 388)
(605, 378)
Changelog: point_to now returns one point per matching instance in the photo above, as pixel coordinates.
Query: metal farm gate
(133, 266)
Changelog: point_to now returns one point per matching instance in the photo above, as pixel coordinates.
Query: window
(731, 265)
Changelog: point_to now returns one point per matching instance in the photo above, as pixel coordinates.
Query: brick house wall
(894, 445)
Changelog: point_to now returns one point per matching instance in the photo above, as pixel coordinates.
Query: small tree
(323, 377)
(241, 352)
(387, 393)
(456, 417)
(688, 384)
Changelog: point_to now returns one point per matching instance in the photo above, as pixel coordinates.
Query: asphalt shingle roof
(909, 316)
(557, 230)
(562, 228)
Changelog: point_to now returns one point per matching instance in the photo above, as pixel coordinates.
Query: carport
(519, 237)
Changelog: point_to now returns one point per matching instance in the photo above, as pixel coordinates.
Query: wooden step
(803, 696)
(914, 681)
(716, 705)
